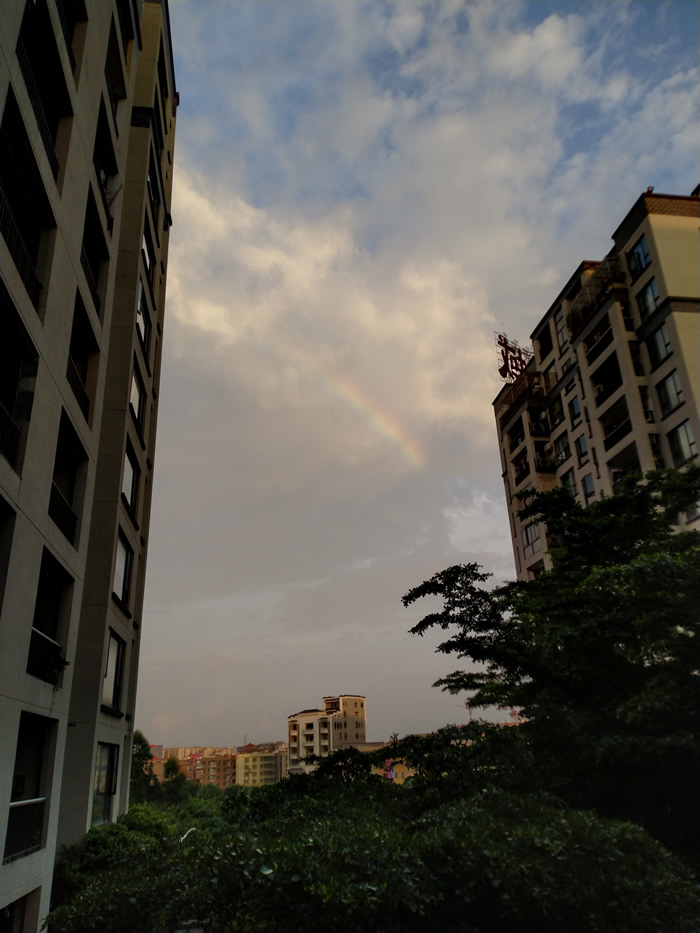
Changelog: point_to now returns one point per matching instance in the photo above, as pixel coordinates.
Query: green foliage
(310, 855)
(144, 784)
(601, 655)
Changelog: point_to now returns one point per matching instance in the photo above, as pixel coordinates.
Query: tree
(144, 784)
(601, 654)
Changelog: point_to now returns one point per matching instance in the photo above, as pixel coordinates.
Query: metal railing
(601, 344)
(44, 661)
(617, 434)
(25, 828)
(607, 390)
(37, 106)
(67, 33)
(18, 251)
(61, 512)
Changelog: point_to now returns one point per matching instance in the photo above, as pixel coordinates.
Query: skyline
(364, 194)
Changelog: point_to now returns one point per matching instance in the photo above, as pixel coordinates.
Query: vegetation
(501, 830)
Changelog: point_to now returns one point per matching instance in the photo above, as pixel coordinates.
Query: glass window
(532, 542)
(670, 393)
(562, 451)
(560, 324)
(556, 411)
(137, 396)
(588, 487)
(114, 666)
(638, 257)
(105, 785)
(659, 346)
(581, 446)
(682, 444)
(568, 481)
(648, 299)
(122, 569)
(130, 479)
(574, 411)
(143, 319)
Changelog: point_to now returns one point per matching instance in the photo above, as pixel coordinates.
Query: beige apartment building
(340, 724)
(257, 765)
(87, 123)
(613, 383)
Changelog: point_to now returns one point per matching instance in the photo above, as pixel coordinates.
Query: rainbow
(352, 395)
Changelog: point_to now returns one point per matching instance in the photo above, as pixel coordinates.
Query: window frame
(681, 441)
(638, 258)
(124, 577)
(645, 305)
(105, 782)
(669, 392)
(113, 677)
(659, 339)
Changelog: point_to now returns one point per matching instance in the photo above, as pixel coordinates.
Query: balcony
(601, 344)
(9, 436)
(617, 433)
(61, 512)
(90, 279)
(545, 465)
(78, 386)
(607, 281)
(529, 388)
(25, 828)
(37, 106)
(522, 472)
(603, 392)
(45, 660)
(540, 428)
(18, 251)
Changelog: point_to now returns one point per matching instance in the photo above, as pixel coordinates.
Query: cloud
(363, 194)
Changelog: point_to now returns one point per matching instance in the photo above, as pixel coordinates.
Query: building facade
(88, 104)
(318, 732)
(257, 765)
(613, 383)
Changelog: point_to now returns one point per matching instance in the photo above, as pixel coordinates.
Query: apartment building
(87, 123)
(612, 384)
(318, 732)
(257, 765)
(218, 769)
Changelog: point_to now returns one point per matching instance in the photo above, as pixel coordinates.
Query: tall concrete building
(258, 765)
(340, 724)
(88, 102)
(612, 384)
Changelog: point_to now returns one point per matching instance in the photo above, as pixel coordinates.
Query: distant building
(257, 765)
(612, 385)
(87, 123)
(340, 724)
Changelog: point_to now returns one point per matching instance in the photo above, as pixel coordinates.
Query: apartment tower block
(87, 123)
(612, 385)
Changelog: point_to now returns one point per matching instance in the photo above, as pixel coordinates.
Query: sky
(364, 193)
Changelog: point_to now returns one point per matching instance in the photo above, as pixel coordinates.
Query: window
(544, 341)
(575, 411)
(7, 527)
(69, 474)
(130, 480)
(638, 257)
(659, 346)
(94, 255)
(670, 393)
(143, 320)
(50, 621)
(122, 570)
(588, 487)
(556, 411)
(114, 668)
(682, 444)
(560, 325)
(83, 358)
(105, 785)
(31, 779)
(18, 369)
(648, 299)
(562, 451)
(147, 251)
(137, 397)
(532, 542)
(568, 481)
(581, 446)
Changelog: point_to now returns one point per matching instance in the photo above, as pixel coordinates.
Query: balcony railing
(61, 512)
(25, 828)
(76, 383)
(617, 434)
(18, 250)
(37, 106)
(522, 472)
(545, 465)
(606, 390)
(45, 660)
(603, 341)
(90, 278)
(607, 280)
(9, 436)
(66, 30)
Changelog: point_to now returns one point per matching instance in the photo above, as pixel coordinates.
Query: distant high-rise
(88, 98)
(613, 384)
(340, 724)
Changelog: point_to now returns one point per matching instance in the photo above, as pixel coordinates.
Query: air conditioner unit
(538, 391)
